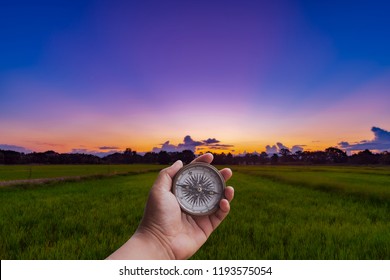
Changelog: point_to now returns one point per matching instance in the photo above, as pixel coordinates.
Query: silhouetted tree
(229, 159)
(130, 156)
(263, 158)
(163, 157)
(285, 155)
(115, 158)
(318, 157)
(335, 155)
(330, 155)
(187, 156)
(364, 157)
(274, 159)
(219, 158)
(150, 157)
(12, 157)
(384, 158)
(251, 158)
(297, 156)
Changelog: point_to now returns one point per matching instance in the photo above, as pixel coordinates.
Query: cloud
(14, 148)
(271, 149)
(381, 134)
(165, 147)
(92, 152)
(80, 151)
(220, 146)
(211, 141)
(281, 146)
(297, 148)
(192, 145)
(275, 149)
(381, 142)
(189, 144)
(343, 144)
(108, 148)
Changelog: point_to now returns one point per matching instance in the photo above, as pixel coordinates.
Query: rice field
(28, 172)
(279, 212)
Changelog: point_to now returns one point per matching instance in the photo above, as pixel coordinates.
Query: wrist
(157, 244)
(145, 244)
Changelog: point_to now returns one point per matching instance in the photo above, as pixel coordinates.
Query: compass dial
(199, 187)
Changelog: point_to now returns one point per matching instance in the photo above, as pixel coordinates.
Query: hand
(166, 232)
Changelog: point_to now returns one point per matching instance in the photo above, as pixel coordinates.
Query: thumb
(164, 179)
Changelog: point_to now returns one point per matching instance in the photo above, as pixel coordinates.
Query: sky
(229, 76)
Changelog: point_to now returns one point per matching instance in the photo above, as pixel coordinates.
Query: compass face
(199, 187)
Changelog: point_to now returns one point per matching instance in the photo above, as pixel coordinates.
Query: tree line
(330, 156)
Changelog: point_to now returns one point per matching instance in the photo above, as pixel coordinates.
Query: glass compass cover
(199, 187)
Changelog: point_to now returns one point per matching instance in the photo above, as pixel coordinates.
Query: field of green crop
(299, 212)
(26, 172)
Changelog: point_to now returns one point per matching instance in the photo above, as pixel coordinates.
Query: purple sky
(90, 74)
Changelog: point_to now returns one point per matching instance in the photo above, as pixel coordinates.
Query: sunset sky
(101, 76)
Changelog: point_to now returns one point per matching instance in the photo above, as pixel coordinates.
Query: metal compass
(198, 187)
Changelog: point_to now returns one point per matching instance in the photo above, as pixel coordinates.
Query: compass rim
(193, 165)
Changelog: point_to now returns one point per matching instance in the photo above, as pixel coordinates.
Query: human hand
(165, 231)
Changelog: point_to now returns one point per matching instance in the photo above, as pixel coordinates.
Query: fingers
(229, 193)
(172, 170)
(164, 179)
(208, 158)
(225, 203)
(226, 173)
(220, 215)
(224, 208)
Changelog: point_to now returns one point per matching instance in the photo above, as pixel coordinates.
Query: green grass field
(26, 172)
(278, 212)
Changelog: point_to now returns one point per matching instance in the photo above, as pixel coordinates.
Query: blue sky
(89, 74)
